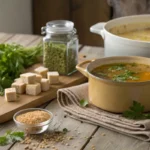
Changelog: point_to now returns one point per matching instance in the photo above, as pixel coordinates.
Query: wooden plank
(3, 129)
(4, 37)
(19, 39)
(109, 140)
(88, 52)
(35, 42)
(10, 125)
(48, 10)
(87, 13)
(7, 110)
(23, 39)
(80, 132)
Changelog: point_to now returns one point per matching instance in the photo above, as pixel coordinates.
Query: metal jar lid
(58, 27)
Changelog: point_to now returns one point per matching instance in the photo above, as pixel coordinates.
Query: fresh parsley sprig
(10, 137)
(65, 130)
(117, 67)
(83, 102)
(14, 59)
(136, 111)
(125, 76)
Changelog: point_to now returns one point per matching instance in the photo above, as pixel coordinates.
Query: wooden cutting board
(7, 109)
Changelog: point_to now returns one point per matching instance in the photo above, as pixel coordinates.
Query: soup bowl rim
(111, 81)
(134, 41)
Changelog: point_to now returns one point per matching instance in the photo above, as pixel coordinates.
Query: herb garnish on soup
(123, 72)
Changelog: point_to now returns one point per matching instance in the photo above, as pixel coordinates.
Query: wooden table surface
(86, 136)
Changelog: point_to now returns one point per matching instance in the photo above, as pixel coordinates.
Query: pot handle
(83, 70)
(98, 28)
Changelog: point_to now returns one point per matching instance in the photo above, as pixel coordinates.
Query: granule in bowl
(33, 120)
(33, 117)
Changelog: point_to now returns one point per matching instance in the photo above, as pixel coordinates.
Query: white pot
(118, 46)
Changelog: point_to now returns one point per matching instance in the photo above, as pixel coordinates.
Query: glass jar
(60, 46)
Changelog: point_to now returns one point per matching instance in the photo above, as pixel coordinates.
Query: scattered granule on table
(48, 140)
(103, 134)
(70, 138)
(33, 117)
(27, 147)
(67, 144)
(27, 140)
(93, 147)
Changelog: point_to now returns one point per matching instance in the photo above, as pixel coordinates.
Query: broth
(123, 72)
(142, 35)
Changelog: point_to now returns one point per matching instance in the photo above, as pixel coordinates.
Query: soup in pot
(135, 31)
(123, 72)
(142, 35)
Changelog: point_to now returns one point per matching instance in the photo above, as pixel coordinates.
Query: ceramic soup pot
(115, 96)
(118, 46)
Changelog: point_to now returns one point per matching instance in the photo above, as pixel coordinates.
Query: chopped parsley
(136, 111)
(11, 137)
(83, 102)
(125, 76)
(117, 67)
(65, 130)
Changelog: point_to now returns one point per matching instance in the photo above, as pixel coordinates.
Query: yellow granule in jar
(33, 117)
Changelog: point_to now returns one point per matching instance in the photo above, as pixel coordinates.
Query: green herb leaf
(125, 76)
(134, 78)
(136, 111)
(18, 134)
(65, 130)
(14, 59)
(10, 137)
(84, 103)
(117, 67)
(3, 140)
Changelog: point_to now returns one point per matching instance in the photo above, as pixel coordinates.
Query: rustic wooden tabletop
(83, 136)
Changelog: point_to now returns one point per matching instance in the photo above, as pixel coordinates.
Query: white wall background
(16, 16)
